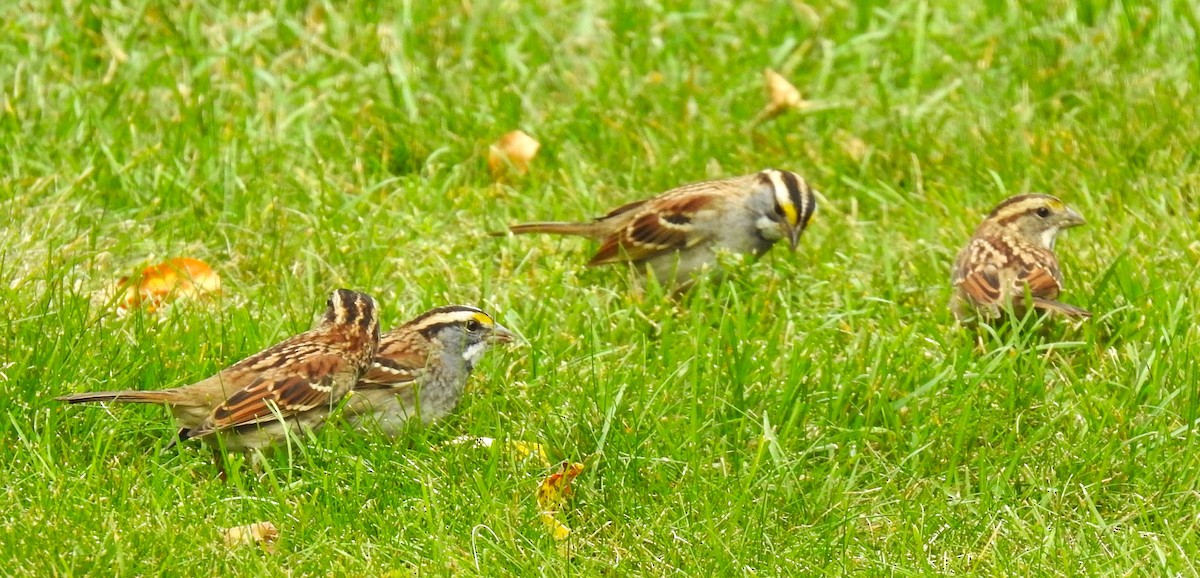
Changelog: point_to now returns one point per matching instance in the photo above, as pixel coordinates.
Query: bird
(255, 402)
(679, 232)
(1010, 261)
(422, 367)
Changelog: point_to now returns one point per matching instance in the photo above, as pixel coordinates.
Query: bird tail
(555, 228)
(1061, 308)
(127, 396)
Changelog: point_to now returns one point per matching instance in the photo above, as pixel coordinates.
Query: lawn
(816, 413)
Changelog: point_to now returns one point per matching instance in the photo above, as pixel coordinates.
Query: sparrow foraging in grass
(1010, 261)
(678, 233)
(255, 402)
(422, 367)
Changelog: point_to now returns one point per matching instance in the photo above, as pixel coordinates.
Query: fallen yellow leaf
(552, 494)
(179, 278)
(781, 96)
(514, 149)
(558, 530)
(263, 533)
(518, 449)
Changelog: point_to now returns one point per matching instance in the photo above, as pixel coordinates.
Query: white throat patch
(1048, 237)
(768, 229)
(474, 352)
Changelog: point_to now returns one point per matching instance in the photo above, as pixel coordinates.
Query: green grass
(818, 414)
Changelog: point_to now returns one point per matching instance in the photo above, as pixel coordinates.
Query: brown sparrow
(254, 402)
(679, 232)
(1010, 261)
(422, 368)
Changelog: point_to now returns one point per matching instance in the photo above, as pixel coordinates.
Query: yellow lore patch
(789, 211)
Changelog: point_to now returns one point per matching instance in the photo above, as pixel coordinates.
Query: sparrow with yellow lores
(258, 400)
(422, 368)
(679, 232)
(1010, 261)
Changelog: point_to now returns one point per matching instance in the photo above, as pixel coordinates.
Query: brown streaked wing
(402, 357)
(664, 224)
(391, 373)
(981, 284)
(301, 391)
(976, 275)
(1045, 281)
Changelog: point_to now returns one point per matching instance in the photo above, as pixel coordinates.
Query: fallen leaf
(518, 449)
(263, 533)
(558, 530)
(515, 150)
(157, 285)
(522, 450)
(552, 495)
(782, 96)
(853, 146)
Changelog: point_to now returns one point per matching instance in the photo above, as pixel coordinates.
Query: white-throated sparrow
(422, 368)
(298, 380)
(678, 233)
(1010, 261)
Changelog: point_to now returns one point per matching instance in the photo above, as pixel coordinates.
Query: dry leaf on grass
(782, 96)
(518, 449)
(262, 533)
(515, 150)
(157, 285)
(552, 495)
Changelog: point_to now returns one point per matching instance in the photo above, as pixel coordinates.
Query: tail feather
(1060, 308)
(556, 228)
(127, 396)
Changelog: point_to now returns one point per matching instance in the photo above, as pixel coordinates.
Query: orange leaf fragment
(178, 278)
(781, 96)
(515, 150)
(552, 494)
(264, 533)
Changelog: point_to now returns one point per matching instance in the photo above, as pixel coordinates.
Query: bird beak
(1072, 219)
(793, 235)
(501, 334)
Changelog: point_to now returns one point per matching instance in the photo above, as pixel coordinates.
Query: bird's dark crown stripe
(368, 319)
(1016, 206)
(801, 195)
(336, 308)
(352, 307)
(430, 329)
(437, 319)
(350, 312)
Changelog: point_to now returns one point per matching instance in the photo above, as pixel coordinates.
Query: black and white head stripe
(434, 320)
(793, 196)
(346, 306)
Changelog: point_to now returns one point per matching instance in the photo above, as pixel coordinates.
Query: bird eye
(473, 326)
(1043, 212)
(778, 209)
